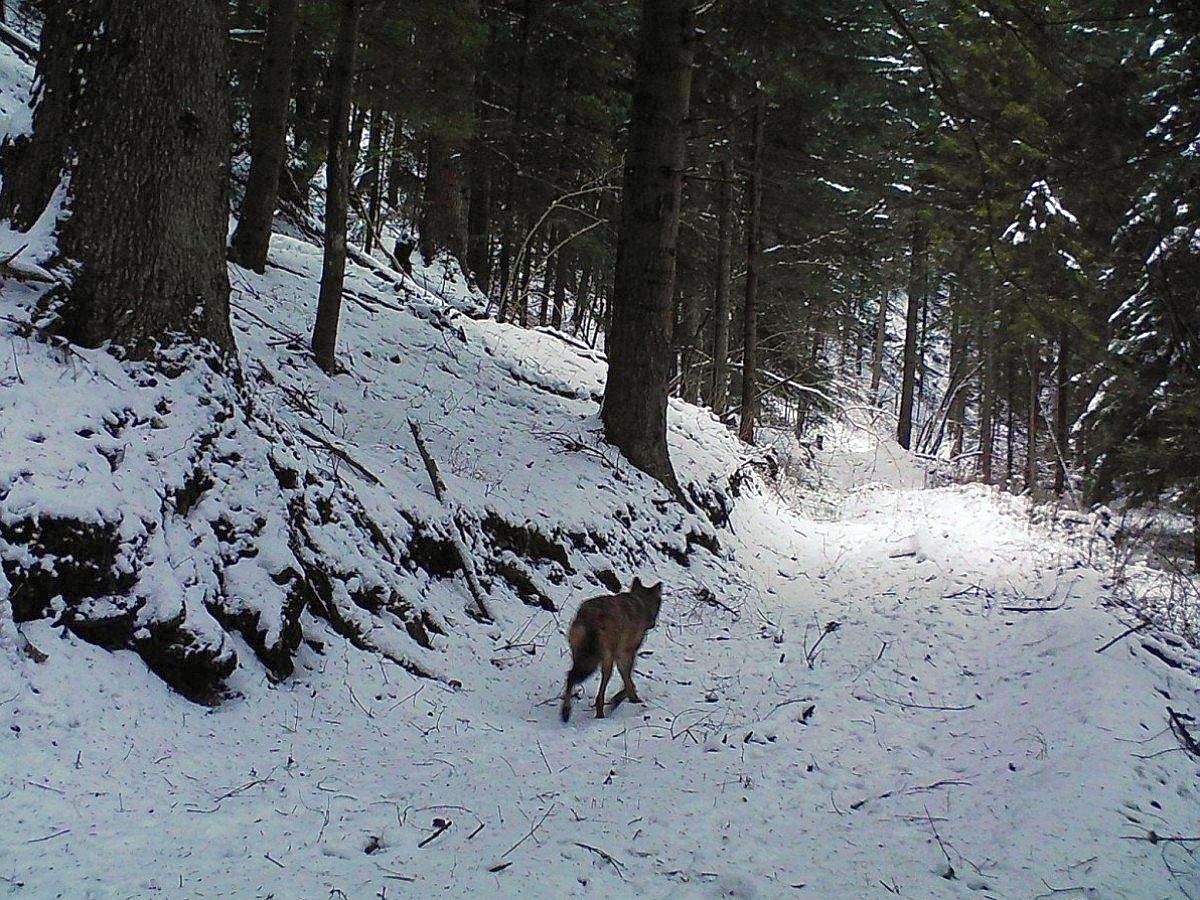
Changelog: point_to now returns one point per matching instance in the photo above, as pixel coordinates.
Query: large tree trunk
(753, 268)
(337, 187)
(145, 150)
(916, 297)
(268, 138)
(720, 386)
(639, 347)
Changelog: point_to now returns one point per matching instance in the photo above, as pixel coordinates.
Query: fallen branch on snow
(1128, 631)
(454, 529)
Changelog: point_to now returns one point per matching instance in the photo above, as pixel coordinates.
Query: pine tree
(337, 178)
(639, 348)
(268, 138)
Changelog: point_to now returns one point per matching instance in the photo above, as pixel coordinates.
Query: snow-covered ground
(942, 741)
(955, 733)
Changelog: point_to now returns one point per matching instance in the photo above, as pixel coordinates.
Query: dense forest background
(996, 200)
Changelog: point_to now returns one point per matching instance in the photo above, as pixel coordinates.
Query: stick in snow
(1128, 631)
(607, 857)
(455, 527)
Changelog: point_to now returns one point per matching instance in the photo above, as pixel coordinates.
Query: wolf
(610, 630)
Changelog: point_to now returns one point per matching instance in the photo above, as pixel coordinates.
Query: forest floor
(957, 734)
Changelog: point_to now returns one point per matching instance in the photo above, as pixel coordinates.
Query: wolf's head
(651, 596)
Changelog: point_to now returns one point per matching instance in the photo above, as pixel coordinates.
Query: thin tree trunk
(916, 296)
(720, 385)
(639, 347)
(1010, 420)
(690, 312)
(337, 191)
(443, 225)
(1062, 400)
(987, 390)
(922, 342)
(148, 215)
(877, 350)
(268, 138)
(753, 269)
(375, 181)
(548, 272)
(1196, 534)
(395, 164)
(511, 231)
(562, 272)
(524, 282)
(958, 369)
(479, 214)
(1035, 390)
(583, 296)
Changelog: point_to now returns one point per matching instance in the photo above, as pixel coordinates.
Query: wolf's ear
(657, 590)
(637, 583)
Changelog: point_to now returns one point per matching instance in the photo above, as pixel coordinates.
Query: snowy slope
(956, 735)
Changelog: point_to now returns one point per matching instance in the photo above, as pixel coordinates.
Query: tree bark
(753, 268)
(134, 112)
(916, 297)
(337, 186)
(639, 347)
(720, 388)
(268, 138)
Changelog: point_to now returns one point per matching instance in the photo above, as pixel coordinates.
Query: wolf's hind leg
(629, 690)
(605, 674)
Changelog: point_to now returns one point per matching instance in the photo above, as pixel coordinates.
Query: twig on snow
(533, 828)
(49, 836)
(1128, 631)
(1186, 739)
(442, 825)
(1153, 837)
(607, 857)
(810, 653)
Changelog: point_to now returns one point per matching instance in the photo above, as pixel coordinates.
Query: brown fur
(607, 631)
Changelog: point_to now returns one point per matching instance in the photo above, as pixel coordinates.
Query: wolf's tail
(585, 657)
